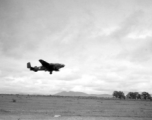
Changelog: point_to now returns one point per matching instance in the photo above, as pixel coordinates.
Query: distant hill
(72, 93)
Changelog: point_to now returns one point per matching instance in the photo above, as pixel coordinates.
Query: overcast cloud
(106, 45)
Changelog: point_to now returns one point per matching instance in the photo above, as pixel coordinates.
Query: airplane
(50, 67)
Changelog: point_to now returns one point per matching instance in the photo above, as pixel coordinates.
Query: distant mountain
(72, 93)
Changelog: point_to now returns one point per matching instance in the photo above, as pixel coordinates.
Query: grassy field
(21, 107)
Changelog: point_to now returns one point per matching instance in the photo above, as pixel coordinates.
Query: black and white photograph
(75, 59)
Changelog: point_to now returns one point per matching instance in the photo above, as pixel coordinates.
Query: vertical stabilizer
(28, 65)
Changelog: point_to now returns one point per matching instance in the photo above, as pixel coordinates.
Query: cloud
(104, 46)
(128, 25)
(140, 34)
(133, 34)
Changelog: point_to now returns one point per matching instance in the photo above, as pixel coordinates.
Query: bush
(13, 100)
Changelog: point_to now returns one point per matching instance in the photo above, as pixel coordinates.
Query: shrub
(13, 100)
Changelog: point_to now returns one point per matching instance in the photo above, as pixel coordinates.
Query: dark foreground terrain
(21, 107)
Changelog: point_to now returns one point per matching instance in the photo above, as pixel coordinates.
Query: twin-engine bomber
(50, 67)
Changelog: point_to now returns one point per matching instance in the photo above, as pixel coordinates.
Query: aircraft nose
(62, 65)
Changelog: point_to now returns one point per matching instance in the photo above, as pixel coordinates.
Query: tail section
(35, 69)
(29, 65)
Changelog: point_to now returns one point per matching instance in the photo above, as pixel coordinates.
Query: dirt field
(72, 108)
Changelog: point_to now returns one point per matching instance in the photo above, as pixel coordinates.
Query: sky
(106, 45)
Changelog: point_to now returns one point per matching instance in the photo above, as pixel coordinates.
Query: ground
(21, 107)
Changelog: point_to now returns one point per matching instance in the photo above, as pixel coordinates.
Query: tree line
(132, 95)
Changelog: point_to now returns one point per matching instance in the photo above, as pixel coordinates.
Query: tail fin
(28, 65)
(35, 69)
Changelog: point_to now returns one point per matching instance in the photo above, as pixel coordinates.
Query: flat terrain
(72, 108)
